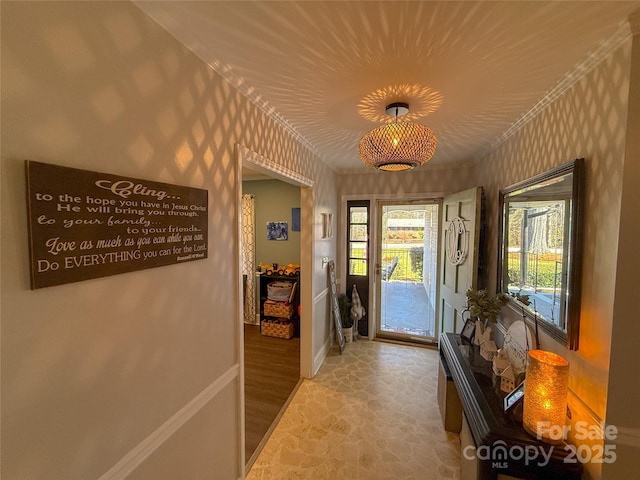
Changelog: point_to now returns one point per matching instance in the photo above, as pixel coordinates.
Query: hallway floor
(371, 414)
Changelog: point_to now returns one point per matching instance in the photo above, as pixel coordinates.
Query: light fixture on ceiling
(397, 146)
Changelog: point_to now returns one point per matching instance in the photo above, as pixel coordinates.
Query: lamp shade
(397, 146)
(545, 396)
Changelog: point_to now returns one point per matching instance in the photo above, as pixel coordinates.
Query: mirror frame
(571, 337)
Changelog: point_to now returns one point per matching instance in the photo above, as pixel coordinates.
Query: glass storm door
(408, 267)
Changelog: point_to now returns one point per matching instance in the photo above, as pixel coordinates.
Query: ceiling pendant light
(397, 146)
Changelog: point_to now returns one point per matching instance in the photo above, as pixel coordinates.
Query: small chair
(387, 271)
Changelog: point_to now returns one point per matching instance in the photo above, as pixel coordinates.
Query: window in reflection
(535, 256)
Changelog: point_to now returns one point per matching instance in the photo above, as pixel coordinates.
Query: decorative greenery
(406, 269)
(485, 306)
(345, 310)
(541, 272)
(416, 254)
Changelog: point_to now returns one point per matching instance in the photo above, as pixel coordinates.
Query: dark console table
(500, 434)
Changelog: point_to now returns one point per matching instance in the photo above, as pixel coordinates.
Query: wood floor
(272, 370)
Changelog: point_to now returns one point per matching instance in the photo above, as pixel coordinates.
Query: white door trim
(257, 162)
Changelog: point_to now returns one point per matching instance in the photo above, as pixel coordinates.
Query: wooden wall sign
(86, 224)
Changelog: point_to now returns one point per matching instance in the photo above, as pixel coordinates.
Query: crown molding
(271, 168)
(622, 34)
(226, 72)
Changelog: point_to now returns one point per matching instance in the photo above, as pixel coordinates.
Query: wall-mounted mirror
(540, 250)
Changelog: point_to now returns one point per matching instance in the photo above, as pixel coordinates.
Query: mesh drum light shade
(545, 396)
(397, 146)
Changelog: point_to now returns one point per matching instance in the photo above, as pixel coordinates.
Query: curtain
(248, 258)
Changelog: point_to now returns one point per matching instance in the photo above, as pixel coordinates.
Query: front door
(407, 270)
(459, 255)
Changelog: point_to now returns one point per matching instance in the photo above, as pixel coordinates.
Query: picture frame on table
(468, 330)
(514, 397)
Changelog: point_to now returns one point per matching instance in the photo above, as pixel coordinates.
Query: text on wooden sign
(85, 224)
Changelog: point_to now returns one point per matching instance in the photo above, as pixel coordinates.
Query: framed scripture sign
(85, 224)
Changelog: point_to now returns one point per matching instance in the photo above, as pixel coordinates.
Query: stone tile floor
(371, 414)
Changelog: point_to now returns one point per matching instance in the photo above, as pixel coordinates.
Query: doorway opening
(407, 283)
(266, 384)
(271, 328)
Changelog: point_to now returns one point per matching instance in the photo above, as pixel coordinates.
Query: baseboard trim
(144, 449)
(319, 359)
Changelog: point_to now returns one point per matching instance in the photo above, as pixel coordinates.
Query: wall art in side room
(277, 231)
(295, 219)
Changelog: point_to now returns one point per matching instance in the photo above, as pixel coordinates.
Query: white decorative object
(507, 379)
(517, 342)
(348, 334)
(477, 336)
(327, 225)
(457, 241)
(482, 334)
(488, 349)
(487, 335)
(500, 362)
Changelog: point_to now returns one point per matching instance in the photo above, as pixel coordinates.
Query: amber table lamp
(545, 396)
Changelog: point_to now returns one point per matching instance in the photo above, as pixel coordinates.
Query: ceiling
(326, 69)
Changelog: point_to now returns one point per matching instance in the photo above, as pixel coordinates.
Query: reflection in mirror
(540, 250)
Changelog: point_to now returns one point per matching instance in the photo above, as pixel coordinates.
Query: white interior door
(459, 255)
